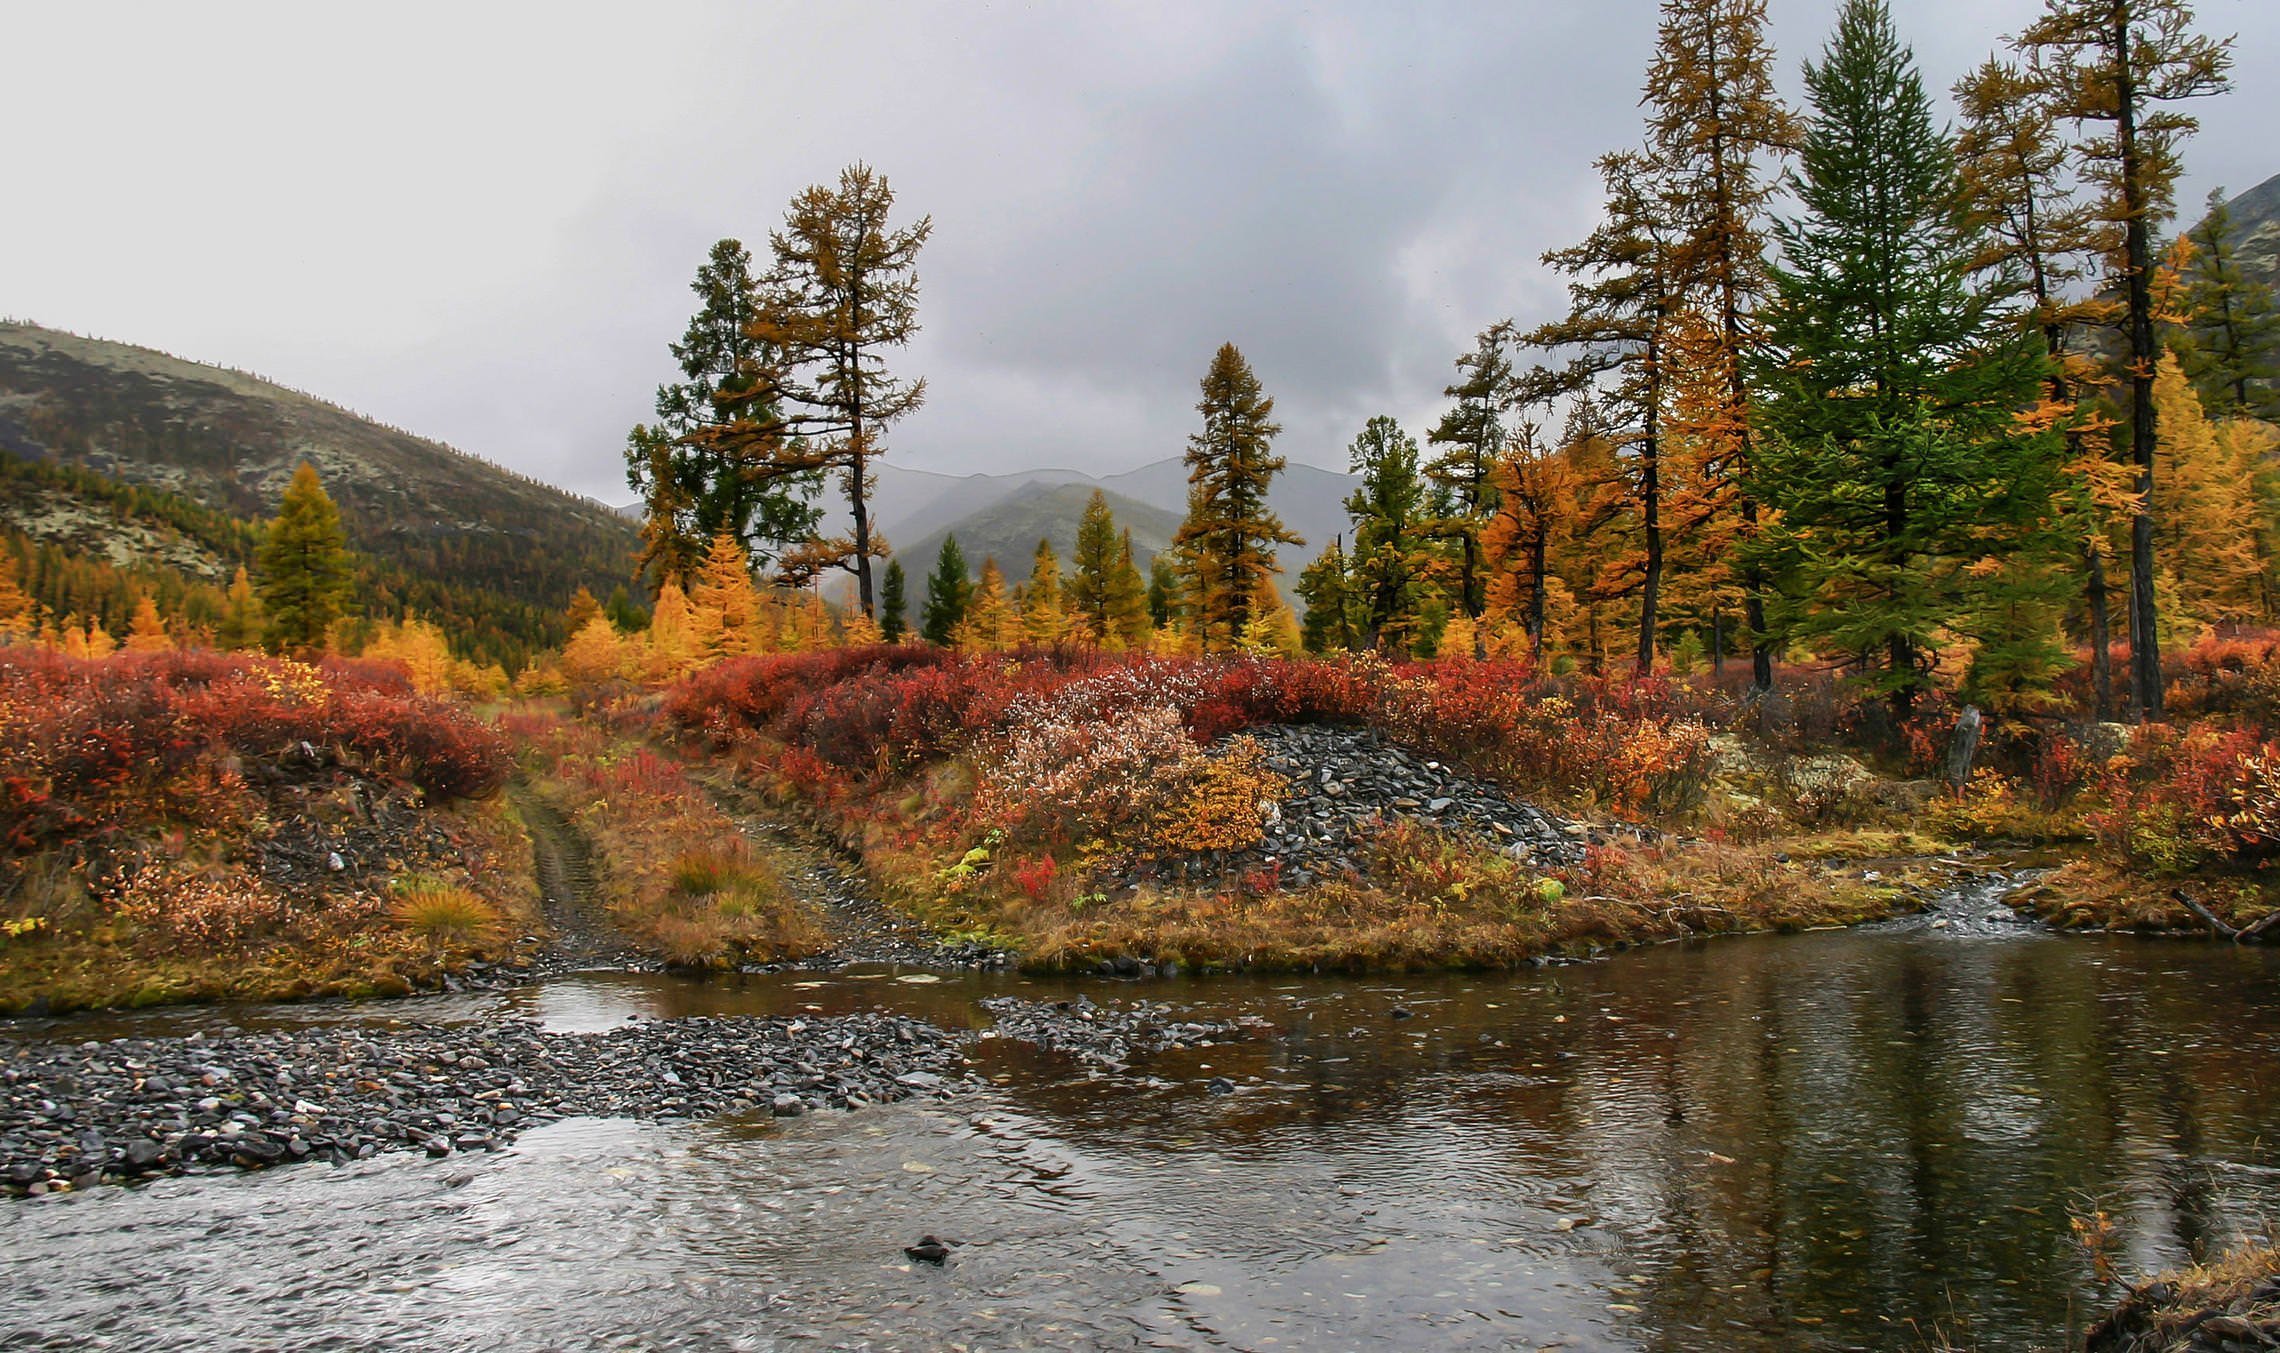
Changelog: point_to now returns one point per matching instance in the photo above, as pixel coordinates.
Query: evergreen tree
(1716, 125)
(1328, 593)
(304, 567)
(894, 604)
(947, 591)
(1092, 572)
(1163, 592)
(2119, 62)
(1390, 559)
(1462, 475)
(2233, 358)
(1894, 380)
(698, 467)
(1042, 620)
(1228, 539)
(843, 293)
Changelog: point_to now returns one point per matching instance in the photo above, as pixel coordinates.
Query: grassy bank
(1005, 800)
(187, 826)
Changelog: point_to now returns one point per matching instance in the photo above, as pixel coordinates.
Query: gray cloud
(479, 221)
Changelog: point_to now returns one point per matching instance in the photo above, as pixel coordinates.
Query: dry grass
(1429, 900)
(2098, 893)
(2233, 1301)
(444, 915)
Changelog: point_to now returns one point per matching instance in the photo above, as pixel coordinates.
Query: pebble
(1343, 785)
(83, 1113)
(1110, 1035)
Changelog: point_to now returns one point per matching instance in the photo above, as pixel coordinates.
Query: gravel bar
(77, 1114)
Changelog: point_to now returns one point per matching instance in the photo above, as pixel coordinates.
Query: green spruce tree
(1897, 459)
(1390, 557)
(1229, 537)
(948, 589)
(304, 567)
(1092, 572)
(894, 604)
(1327, 590)
(2233, 328)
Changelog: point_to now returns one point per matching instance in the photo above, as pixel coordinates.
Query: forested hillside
(490, 555)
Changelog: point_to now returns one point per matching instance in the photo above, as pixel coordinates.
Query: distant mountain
(994, 513)
(1008, 531)
(492, 554)
(2256, 215)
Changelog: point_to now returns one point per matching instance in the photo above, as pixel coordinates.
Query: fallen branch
(2205, 914)
(2255, 934)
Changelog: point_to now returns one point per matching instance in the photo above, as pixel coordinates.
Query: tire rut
(581, 934)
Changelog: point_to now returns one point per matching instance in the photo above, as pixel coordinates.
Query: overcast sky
(479, 221)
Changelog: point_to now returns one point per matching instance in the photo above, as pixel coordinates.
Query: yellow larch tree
(2206, 499)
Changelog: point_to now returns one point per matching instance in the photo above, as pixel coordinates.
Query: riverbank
(76, 1114)
(2232, 1302)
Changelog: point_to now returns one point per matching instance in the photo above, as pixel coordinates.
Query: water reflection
(1781, 1142)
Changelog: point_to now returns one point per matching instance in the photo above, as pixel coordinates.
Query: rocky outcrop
(1344, 784)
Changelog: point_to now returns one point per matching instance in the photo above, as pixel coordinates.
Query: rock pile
(1109, 1035)
(1344, 783)
(78, 1114)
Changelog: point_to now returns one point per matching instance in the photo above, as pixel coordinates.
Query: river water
(1837, 1140)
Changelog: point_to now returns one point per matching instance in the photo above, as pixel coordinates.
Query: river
(1836, 1140)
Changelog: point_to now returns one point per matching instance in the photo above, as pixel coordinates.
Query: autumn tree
(1327, 589)
(2211, 519)
(842, 295)
(1532, 493)
(595, 654)
(894, 604)
(2037, 236)
(1622, 298)
(17, 617)
(1894, 379)
(1229, 537)
(672, 645)
(702, 467)
(1471, 436)
(1043, 621)
(147, 632)
(1092, 571)
(1391, 558)
(724, 605)
(1717, 126)
(992, 623)
(2232, 352)
(1106, 598)
(242, 621)
(2122, 64)
(948, 589)
(304, 567)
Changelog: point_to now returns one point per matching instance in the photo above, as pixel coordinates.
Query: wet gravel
(1112, 1034)
(77, 1114)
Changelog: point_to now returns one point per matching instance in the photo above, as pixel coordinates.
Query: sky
(479, 221)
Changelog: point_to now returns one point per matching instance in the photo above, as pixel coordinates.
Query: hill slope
(1008, 531)
(452, 534)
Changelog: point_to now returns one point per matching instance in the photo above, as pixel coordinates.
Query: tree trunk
(2101, 635)
(2137, 244)
(1650, 504)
